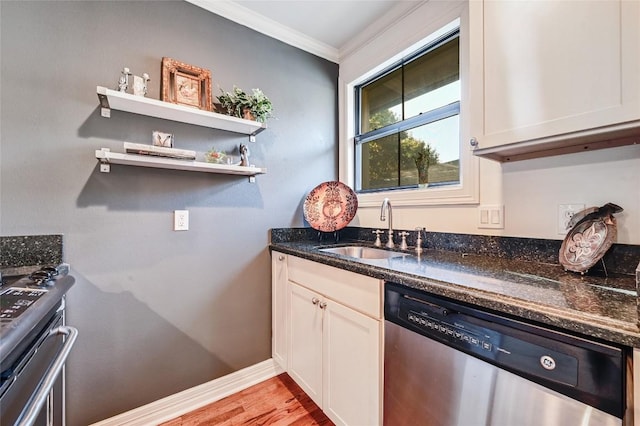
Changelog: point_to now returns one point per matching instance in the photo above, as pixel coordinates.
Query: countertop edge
(588, 325)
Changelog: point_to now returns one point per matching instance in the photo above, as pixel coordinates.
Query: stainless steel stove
(34, 344)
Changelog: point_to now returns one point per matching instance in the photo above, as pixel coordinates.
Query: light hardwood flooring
(277, 401)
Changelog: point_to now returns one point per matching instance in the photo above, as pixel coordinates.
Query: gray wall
(158, 311)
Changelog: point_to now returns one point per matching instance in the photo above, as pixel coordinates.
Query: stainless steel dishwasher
(452, 365)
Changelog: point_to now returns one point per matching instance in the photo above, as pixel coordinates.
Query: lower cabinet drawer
(356, 291)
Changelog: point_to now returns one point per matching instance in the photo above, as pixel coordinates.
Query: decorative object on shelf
(140, 84)
(162, 139)
(244, 155)
(250, 107)
(123, 81)
(185, 84)
(330, 206)
(593, 232)
(216, 157)
(159, 151)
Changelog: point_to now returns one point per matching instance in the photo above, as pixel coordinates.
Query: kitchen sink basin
(362, 252)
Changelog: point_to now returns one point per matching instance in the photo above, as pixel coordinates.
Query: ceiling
(327, 28)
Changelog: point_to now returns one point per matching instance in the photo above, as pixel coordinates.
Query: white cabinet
(279, 308)
(305, 334)
(351, 357)
(335, 357)
(334, 320)
(554, 76)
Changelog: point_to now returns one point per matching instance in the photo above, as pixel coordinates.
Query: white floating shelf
(113, 99)
(107, 157)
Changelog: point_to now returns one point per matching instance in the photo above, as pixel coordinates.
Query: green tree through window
(408, 121)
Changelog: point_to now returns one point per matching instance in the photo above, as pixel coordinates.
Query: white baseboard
(188, 400)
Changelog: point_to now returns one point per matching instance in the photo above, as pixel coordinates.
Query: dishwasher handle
(40, 396)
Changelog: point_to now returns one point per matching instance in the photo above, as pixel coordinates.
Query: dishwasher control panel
(450, 331)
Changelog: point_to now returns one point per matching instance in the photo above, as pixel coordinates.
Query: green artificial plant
(240, 104)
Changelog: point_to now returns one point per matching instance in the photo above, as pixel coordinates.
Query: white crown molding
(400, 11)
(244, 16)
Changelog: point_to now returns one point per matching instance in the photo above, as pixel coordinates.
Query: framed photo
(186, 84)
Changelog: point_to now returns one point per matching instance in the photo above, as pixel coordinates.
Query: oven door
(32, 389)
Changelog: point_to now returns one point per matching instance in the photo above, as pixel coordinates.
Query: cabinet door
(305, 341)
(279, 309)
(352, 366)
(556, 67)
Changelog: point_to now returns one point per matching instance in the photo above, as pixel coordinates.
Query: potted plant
(238, 103)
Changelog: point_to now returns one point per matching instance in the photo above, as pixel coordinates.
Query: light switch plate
(491, 216)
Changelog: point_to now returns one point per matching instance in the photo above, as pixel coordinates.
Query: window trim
(467, 190)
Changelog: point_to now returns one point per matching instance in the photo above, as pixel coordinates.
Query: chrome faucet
(386, 204)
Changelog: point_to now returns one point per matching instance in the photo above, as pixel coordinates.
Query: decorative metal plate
(587, 242)
(330, 206)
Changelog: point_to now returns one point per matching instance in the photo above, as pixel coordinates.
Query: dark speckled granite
(620, 259)
(30, 250)
(505, 276)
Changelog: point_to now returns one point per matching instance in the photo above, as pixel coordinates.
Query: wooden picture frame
(185, 84)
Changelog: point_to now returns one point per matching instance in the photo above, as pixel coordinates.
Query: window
(407, 121)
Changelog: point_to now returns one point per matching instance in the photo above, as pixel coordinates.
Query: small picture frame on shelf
(162, 139)
(140, 84)
(185, 84)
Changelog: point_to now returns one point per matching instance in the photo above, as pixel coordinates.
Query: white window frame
(467, 190)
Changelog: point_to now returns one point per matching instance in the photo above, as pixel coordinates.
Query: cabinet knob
(281, 257)
(474, 142)
(323, 305)
(315, 300)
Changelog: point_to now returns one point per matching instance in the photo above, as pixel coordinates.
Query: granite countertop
(591, 305)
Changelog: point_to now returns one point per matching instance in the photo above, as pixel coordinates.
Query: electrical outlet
(181, 220)
(565, 213)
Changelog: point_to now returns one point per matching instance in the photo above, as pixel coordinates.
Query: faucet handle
(403, 244)
(419, 239)
(378, 243)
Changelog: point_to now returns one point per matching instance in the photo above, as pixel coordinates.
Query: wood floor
(277, 401)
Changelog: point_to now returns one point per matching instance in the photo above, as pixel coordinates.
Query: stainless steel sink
(362, 252)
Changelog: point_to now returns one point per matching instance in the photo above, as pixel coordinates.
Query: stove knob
(41, 278)
(52, 271)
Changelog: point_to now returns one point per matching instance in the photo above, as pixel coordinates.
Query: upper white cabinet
(554, 77)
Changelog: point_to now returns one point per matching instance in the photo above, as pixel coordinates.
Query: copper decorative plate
(587, 242)
(330, 206)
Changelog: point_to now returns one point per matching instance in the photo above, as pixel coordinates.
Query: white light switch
(496, 216)
(491, 216)
(484, 216)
